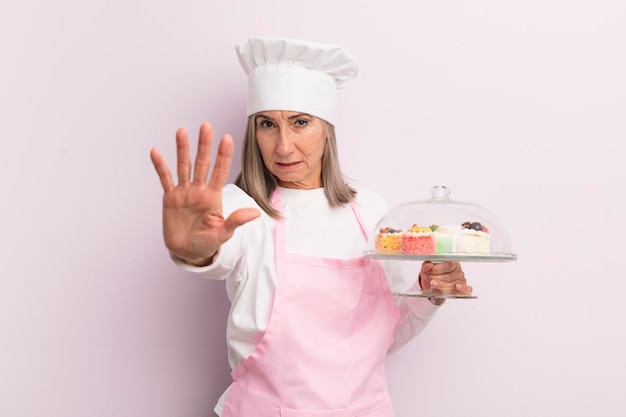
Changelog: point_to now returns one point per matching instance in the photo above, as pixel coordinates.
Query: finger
(183, 161)
(203, 156)
(441, 285)
(427, 266)
(445, 285)
(222, 164)
(240, 217)
(445, 268)
(448, 267)
(464, 288)
(165, 176)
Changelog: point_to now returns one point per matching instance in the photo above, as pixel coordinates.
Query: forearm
(416, 313)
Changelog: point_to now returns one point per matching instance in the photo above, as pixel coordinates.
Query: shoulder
(369, 199)
(371, 204)
(234, 192)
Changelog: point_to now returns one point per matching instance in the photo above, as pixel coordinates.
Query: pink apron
(323, 353)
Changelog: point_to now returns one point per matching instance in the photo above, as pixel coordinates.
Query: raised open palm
(193, 225)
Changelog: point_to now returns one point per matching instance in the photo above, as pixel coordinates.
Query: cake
(469, 238)
(445, 238)
(389, 240)
(474, 238)
(418, 241)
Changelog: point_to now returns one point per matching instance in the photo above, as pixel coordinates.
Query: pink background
(516, 106)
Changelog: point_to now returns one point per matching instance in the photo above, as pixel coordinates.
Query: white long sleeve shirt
(313, 228)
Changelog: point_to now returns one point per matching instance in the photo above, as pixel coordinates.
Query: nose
(285, 141)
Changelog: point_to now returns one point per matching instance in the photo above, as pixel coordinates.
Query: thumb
(240, 217)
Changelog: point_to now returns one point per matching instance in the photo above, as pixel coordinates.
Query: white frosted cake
(472, 240)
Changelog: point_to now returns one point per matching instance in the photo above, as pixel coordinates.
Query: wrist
(200, 262)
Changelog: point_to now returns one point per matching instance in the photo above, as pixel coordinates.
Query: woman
(311, 319)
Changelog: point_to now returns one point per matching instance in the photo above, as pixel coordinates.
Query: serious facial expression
(292, 145)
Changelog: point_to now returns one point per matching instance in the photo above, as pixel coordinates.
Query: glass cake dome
(440, 229)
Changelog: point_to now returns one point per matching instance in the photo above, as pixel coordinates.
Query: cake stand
(439, 212)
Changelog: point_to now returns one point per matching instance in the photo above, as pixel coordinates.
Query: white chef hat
(296, 75)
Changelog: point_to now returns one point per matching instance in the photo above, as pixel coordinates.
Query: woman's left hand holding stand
(193, 225)
(444, 277)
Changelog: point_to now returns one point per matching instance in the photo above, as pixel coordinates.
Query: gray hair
(256, 180)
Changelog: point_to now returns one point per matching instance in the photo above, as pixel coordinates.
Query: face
(292, 145)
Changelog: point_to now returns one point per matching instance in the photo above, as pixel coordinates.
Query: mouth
(287, 165)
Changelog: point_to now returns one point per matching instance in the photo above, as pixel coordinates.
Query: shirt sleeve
(221, 268)
(415, 312)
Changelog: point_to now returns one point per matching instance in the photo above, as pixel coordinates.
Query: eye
(301, 122)
(264, 124)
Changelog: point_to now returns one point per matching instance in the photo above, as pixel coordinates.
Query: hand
(193, 225)
(445, 276)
